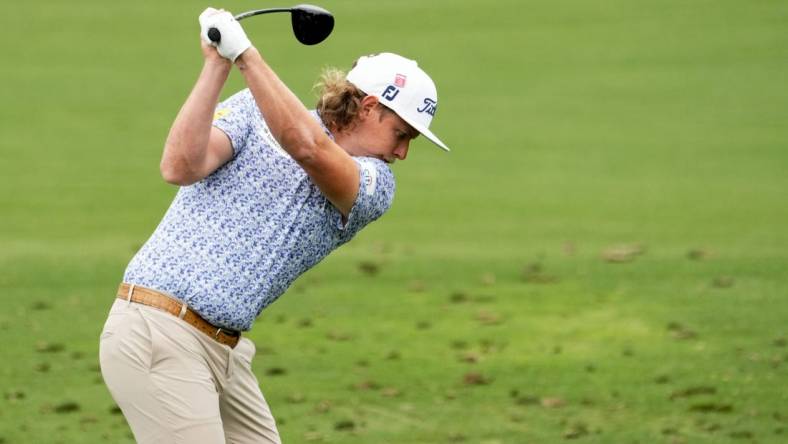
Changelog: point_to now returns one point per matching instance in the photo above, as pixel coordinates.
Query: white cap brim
(428, 134)
(422, 130)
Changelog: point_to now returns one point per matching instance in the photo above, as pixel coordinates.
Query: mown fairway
(603, 258)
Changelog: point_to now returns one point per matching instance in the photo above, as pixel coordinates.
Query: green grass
(575, 126)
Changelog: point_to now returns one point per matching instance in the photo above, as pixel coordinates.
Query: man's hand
(233, 42)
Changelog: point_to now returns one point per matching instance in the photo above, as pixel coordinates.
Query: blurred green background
(603, 257)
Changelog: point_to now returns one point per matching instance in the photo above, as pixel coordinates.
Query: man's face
(383, 134)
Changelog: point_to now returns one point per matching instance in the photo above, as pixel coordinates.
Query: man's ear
(368, 104)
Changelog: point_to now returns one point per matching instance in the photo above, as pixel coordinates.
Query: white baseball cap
(401, 86)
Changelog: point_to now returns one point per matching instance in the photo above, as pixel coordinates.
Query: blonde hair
(339, 100)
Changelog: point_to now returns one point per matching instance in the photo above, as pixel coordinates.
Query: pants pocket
(245, 351)
(114, 321)
(125, 339)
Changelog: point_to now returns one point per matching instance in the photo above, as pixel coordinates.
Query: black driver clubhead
(311, 24)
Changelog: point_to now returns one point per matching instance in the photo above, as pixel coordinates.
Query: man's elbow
(176, 173)
(301, 145)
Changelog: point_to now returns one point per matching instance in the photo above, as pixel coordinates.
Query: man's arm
(329, 166)
(194, 148)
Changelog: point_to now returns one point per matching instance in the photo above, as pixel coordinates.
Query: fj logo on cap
(429, 107)
(390, 93)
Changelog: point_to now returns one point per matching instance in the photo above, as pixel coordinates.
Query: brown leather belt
(153, 298)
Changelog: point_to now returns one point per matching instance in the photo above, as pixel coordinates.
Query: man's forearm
(290, 122)
(188, 137)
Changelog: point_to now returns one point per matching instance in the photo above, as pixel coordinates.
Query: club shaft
(214, 34)
(252, 13)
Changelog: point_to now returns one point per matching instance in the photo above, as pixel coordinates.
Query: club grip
(214, 35)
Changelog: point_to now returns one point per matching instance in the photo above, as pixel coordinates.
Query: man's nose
(401, 151)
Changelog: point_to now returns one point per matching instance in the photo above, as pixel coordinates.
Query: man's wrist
(243, 60)
(217, 64)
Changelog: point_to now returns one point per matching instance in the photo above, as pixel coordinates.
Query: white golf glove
(233, 42)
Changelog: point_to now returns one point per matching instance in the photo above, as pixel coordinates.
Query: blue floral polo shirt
(232, 243)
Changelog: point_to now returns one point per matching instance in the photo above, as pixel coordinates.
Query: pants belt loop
(183, 310)
(131, 293)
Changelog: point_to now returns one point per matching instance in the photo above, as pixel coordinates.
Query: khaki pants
(174, 384)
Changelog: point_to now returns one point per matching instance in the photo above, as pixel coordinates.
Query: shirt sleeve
(234, 116)
(375, 195)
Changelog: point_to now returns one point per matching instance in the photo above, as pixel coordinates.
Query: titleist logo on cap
(429, 107)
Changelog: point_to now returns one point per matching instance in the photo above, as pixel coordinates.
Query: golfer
(268, 189)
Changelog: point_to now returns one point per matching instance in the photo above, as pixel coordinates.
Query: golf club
(311, 24)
